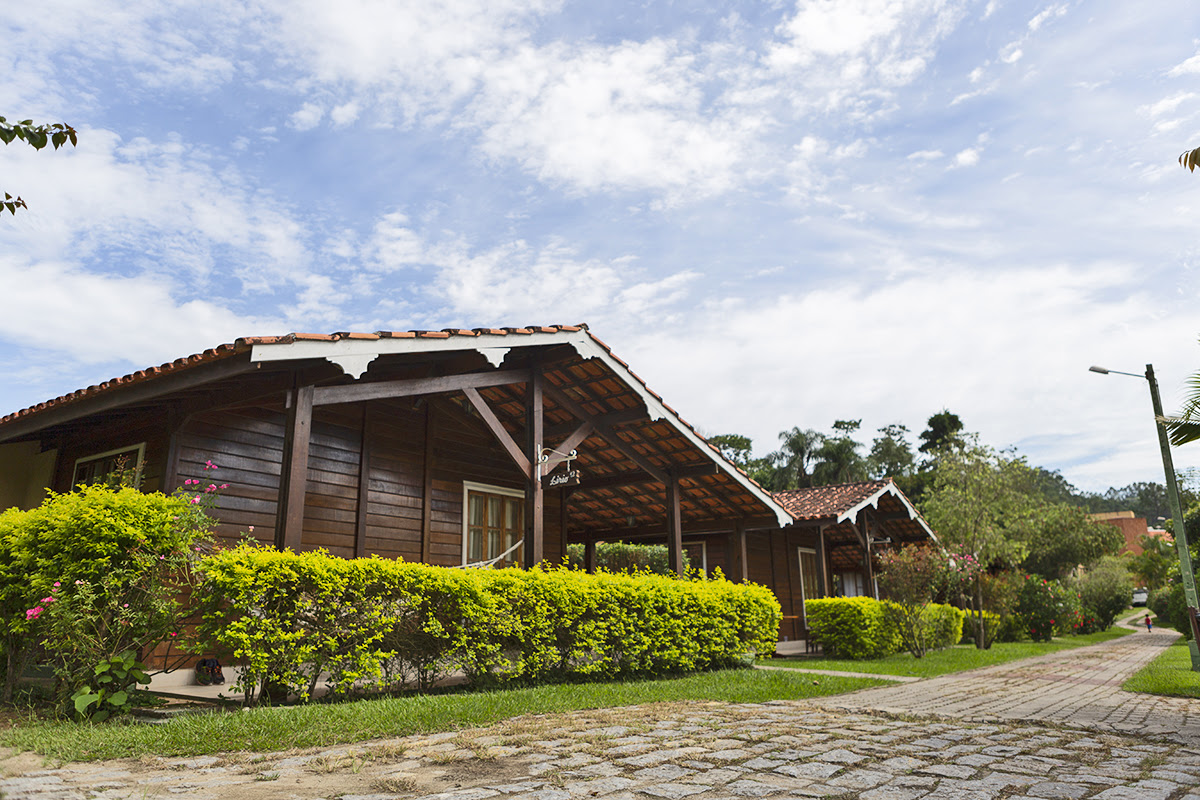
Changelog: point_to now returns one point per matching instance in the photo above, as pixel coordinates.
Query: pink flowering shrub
(91, 575)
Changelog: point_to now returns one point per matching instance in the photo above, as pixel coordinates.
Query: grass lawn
(1170, 674)
(955, 659)
(321, 725)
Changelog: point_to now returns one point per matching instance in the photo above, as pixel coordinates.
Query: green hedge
(380, 624)
(862, 627)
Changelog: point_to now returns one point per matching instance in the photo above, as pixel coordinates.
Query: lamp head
(1101, 370)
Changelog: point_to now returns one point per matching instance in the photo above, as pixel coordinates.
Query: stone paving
(965, 737)
(1080, 687)
(702, 751)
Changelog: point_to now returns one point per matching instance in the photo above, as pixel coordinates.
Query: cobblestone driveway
(831, 748)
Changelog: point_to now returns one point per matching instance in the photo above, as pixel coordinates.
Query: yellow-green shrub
(374, 623)
(852, 627)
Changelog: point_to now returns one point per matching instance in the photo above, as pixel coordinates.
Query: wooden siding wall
(773, 560)
(247, 446)
(114, 435)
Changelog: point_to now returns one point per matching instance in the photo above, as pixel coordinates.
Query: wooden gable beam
(408, 387)
(607, 433)
(499, 431)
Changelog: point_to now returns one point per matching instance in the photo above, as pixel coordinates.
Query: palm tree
(1185, 427)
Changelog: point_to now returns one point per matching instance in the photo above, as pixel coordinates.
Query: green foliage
(624, 557)
(1169, 604)
(1059, 537)
(1048, 608)
(911, 577)
(1104, 590)
(1154, 563)
(380, 624)
(942, 433)
(735, 447)
(891, 455)
(92, 574)
(924, 628)
(37, 137)
(110, 690)
(852, 627)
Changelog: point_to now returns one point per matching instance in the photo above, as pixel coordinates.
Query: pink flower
(57, 584)
(173, 635)
(34, 612)
(252, 529)
(79, 583)
(125, 606)
(46, 600)
(195, 499)
(224, 485)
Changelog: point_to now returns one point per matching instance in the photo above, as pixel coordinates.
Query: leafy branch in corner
(1190, 159)
(37, 137)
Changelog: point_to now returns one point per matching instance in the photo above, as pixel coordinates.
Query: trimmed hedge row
(374, 623)
(862, 627)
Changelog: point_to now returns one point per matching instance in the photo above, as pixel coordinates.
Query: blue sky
(779, 214)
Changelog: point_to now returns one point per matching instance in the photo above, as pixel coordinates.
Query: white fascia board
(851, 514)
(657, 411)
(355, 355)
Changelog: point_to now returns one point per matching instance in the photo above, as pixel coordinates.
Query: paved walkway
(724, 751)
(1079, 687)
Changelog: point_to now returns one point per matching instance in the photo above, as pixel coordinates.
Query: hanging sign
(561, 480)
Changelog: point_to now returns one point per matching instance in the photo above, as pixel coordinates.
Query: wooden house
(484, 447)
(830, 548)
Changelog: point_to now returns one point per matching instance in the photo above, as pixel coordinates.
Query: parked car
(1139, 597)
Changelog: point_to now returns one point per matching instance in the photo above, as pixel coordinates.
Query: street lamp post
(1181, 543)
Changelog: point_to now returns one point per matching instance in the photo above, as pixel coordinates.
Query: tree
(1154, 563)
(978, 504)
(943, 431)
(838, 459)
(735, 447)
(37, 137)
(1060, 537)
(1190, 160)
(911, 577)
(891, 455)
(790, 466)
(1185, 426)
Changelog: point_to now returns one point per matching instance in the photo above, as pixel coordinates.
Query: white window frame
(140, 456)
(800, 551)
(485, 488)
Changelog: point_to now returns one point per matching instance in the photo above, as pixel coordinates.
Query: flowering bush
(1048, 608)
(92, 574)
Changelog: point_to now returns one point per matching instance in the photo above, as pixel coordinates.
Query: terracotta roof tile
(827, 501)
(244, 343)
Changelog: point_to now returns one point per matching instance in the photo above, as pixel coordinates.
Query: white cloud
(925, 155)
(345, 114)
(1188, 67)
(1048, 13)
(307, 117)
(1011, 53)
(923, 343)
(966, 158)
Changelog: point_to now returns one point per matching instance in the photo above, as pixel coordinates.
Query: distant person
(1149, 625)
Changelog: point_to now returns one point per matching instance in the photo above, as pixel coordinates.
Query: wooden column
(535, 500)
(428, 466)
(736, 553)
(589, 555)
(293, 475)
(364, 484)
(171, 469)
(822, 568)
(872, 529)
(674, 526)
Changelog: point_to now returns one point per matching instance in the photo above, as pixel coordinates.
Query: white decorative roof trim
(851, 514)
(353, 365)
(494, 347)
(657, 411)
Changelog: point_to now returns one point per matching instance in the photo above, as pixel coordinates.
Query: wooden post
(293, 475)
(871, 527)
(589, 555)
(736, 553)
(674, 526)
(364, 484)
(822, 571)
(535, 499)
(428, 466)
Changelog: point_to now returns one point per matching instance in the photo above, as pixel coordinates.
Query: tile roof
(827, 501)
(243, 344)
